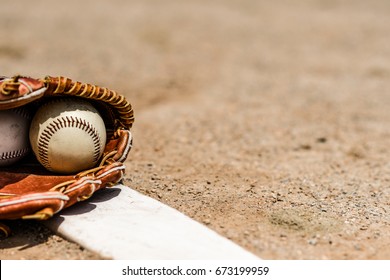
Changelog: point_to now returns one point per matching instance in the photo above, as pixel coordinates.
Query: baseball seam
(14, 154)
(10, 155)
(62, 122)
(22, 112)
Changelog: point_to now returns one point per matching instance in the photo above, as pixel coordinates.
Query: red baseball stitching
(62, 122)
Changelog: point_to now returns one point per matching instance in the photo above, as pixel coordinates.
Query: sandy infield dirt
(267, 121)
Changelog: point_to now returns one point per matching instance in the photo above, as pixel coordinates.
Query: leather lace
(65, 86)
(10, 86)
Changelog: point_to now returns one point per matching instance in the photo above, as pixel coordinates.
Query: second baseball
(14, 144)
(67, 135)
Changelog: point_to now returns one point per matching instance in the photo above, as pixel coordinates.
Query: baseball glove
(29, 191)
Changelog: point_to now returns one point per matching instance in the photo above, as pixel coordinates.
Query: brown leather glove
(27, 190)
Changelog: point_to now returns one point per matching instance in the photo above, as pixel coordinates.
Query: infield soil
(267, 121)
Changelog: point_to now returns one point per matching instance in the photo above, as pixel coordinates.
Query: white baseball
(14, 144)
(67, 135)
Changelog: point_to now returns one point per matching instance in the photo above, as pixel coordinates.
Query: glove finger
(18, 91)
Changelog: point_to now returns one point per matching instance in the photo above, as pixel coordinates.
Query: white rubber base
(120, 223)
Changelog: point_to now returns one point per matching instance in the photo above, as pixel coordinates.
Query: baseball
(67, 135)
(14, 144)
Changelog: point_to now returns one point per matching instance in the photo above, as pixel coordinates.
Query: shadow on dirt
(29, 233)
(25, 234)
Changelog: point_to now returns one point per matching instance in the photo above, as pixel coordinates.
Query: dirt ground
(267, 121)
